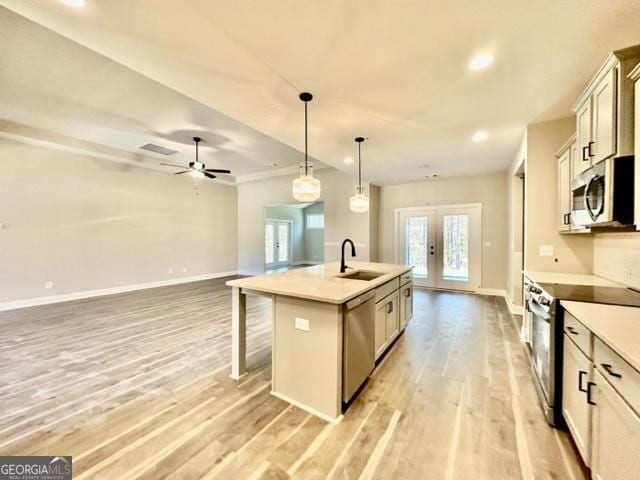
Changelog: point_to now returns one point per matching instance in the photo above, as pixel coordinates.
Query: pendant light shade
(359, 202)
(306, 188)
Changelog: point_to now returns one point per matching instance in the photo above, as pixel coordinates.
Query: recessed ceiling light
(348, 160)
(481, 61)
(73, 3)
(479, 136)
(273, 164)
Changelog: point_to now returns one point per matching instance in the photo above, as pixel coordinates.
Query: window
(315, 220)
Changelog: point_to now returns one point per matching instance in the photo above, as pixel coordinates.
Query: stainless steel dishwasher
(359, 343)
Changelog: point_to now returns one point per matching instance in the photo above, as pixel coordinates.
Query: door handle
(607, 367)
(589, 385)
(584, 153)
(581, 374)
(589, 147)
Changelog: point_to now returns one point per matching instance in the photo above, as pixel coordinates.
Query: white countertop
(321, 282)
(618, 327)
(570, 279)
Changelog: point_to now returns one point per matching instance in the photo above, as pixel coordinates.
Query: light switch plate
(302, 324)
(545, 250)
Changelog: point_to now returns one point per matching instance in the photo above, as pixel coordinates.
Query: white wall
(515, 219)
(86, 224)
(490, 190)
(616, 256)
(340, 222)
(314, 237)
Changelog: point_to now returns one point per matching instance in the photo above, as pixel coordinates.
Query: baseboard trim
(492, 292)
(514, 309)
(67, 297)
(306, 408)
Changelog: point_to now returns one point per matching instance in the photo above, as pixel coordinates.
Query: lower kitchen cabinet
(615, 434)
(576, 375)
(387, 322)
(406, 304)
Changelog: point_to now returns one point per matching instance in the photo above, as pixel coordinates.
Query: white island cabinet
(328, 329)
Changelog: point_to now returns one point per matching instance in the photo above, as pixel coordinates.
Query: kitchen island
(328, 328)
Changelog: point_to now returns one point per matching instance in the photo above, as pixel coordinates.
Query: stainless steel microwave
(603, 194)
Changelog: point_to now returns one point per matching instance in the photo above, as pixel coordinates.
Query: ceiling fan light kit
(359, 202)
(306, 188)
(198, 169)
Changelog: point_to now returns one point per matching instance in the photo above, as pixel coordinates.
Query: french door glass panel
(269, 243)
(455, 251)
(283, 243)
(277, 243)
(416, 228)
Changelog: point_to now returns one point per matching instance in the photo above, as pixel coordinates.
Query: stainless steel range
(543, 332)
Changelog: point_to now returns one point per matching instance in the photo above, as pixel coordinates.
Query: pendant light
(305, 187)
(359, 202)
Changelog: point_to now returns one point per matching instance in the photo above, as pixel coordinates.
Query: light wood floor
(136, 386)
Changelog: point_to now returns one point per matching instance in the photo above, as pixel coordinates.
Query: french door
(277, 243)
(443, 244)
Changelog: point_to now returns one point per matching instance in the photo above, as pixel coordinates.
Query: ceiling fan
(197, 169)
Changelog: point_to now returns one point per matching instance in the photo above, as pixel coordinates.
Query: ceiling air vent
(152, 147)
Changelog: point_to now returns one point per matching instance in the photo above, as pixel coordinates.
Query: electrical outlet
(171, 271)
(302, 324)
(48, 284)
(184, 269)
(545, 250)
(487, 244)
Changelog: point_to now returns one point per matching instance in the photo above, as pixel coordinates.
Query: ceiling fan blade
(217, 170)
(180, 173)
(209, 175)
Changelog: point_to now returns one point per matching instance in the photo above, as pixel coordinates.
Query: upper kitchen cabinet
(604, 112)
(634, 76)
(565, 173)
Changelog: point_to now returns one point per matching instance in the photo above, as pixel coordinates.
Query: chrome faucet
(343, 266)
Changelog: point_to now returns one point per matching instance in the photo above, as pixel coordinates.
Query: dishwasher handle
(361, 299)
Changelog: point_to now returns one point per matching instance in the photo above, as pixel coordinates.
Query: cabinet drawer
(405, 278)
(580, 334)
(622, 376)
(387, 289)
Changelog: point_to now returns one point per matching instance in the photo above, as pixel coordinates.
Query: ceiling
(394, 72)
(98, 100)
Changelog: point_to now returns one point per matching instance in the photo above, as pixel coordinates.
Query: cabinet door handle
(581, 374)
(607, 367)
(389, 307)
(584, 154)
(407, 293)
(589, 385)
(572, 330)
(589, 147)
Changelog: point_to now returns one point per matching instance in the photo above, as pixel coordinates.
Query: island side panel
(238, 333)
(307, 365)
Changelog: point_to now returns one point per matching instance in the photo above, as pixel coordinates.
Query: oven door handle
(538, 310)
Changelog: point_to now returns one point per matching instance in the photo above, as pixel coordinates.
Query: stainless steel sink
(362, 275)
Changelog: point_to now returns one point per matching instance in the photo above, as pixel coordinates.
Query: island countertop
(322, 283)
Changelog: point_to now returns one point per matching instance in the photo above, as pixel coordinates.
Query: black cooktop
(590, 294)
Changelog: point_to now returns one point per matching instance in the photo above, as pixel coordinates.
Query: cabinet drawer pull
(584, 154)
(581, 374)
(589, 147)
(572, 330)
(589, 385)
(407, 292)
(607, 367)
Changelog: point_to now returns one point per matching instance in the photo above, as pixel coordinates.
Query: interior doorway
(443, 243)
(293, 236)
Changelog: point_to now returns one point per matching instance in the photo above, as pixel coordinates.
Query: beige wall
(572, 253)
(515, 217)
(340, 222)
(616, 256)
(374, 214)
(314, 238)
(490, 190)
(85, 224)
